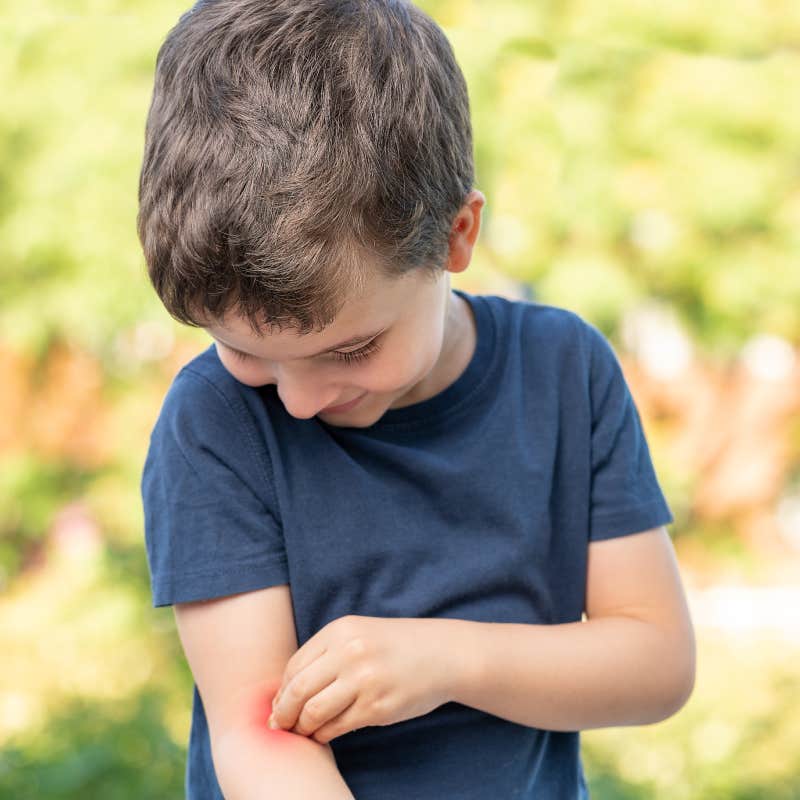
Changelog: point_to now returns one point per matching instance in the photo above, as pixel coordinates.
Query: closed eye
(358, 355)
(348, 357)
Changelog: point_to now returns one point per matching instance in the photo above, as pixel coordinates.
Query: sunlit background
(641, 164)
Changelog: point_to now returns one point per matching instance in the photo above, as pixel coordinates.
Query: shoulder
(203, 385)
(204, 376)
(206, 407)
(548, 329)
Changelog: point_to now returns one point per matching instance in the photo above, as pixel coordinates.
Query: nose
(303, 398)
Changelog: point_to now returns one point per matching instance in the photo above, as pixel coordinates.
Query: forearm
(609, 671)
(256, 764)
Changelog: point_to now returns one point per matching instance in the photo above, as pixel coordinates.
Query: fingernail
(272, 724)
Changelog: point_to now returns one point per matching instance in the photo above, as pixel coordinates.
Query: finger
(325, 706)
(301, 659)
(312, 680)
(351, 719)
(312, 649)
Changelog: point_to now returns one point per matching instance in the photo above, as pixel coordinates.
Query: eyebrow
(349, 343)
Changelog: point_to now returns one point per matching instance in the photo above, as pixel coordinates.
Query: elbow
(683, 677)
(680, 696)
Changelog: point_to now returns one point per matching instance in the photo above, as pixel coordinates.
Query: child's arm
(253, 768)
(237, 648)
(631, 663)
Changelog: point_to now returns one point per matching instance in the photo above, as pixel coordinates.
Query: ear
(464, 232)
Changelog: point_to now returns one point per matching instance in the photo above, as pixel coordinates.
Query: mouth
(344, 406)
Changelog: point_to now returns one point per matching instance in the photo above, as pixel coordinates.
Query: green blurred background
(641, 164)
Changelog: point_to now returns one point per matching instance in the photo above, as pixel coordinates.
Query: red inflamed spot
(262, 708)
(260, 711)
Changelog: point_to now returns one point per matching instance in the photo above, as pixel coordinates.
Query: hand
(359, 671)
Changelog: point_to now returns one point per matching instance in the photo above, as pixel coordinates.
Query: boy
(386, 503)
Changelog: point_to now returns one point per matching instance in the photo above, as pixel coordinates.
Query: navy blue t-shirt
(476, 504)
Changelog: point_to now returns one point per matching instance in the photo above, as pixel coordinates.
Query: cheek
(399, 370)
(250, 374)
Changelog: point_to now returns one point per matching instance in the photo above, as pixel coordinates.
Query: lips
(345, 406)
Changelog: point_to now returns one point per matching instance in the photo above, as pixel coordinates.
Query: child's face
(412, 333)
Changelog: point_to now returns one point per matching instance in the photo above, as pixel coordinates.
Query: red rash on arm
(258, 717)
(250, 756)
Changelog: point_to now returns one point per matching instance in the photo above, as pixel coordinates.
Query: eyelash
(358, 355)
(349, 358)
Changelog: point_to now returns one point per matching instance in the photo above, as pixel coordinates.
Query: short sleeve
(625, 495)
(210, 525)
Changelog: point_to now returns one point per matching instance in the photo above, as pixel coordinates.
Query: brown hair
(289, 144)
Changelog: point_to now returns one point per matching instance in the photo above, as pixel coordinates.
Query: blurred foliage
(31, 491)
(628, 151)
(93, 750)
